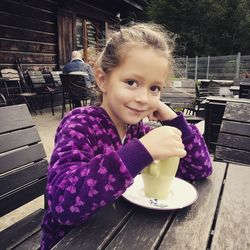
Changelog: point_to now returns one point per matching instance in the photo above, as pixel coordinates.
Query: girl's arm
(82, 178)
(196, 164)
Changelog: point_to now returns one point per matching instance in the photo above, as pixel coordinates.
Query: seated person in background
(78, 66)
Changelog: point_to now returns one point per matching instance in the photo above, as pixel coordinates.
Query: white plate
(182, 194)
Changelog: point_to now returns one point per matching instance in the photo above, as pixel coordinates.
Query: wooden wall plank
(6, 57)
(27, 23)
(27, 46)
(49, 5)
(21, 9)
(27, 35)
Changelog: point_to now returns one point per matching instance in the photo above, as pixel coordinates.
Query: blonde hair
(146, 35)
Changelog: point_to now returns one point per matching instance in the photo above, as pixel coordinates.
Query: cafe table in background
(218, 219)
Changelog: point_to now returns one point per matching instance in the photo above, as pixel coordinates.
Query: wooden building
(43, 33)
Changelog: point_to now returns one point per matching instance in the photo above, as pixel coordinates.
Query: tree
(204, 26)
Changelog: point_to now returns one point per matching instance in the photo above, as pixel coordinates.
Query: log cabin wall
(41, 33)
(28, 30)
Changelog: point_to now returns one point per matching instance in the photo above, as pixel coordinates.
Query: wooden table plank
(98, 231)
(192, 225)
(232, 229)
(143, 230)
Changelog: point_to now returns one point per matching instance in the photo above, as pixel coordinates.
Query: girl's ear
(100, 78)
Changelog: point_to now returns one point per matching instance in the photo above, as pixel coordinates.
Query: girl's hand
(163, 142)
(162, 113)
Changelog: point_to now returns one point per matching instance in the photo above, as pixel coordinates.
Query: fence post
(238, 66)
(186, 69)
(196, 68)
(208, 64)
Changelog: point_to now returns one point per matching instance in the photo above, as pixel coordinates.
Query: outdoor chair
(42, 88)
(17, 92)
(3, 101)
(55, 76)
(234, 136)
(74, 86)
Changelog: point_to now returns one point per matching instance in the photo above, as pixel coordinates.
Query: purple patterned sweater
(90, 166)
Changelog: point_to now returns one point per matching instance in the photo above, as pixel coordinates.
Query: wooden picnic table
(219, 219)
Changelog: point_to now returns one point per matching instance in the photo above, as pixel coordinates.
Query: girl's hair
(147, 35)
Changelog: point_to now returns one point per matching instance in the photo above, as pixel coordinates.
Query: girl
(100, 149)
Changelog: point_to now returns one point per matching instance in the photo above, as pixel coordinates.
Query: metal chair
(15, 92)
(42, 88)
(3, 101)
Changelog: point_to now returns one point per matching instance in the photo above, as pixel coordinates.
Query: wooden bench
(244, 91)
(181, 95)
(234, 137)
(208, 88)
(23, 175)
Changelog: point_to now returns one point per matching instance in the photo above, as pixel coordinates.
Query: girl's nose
(142, 96)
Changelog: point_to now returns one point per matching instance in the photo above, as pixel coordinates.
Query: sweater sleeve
(79, 180)
(196, 164)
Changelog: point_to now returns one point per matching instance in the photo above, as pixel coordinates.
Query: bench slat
(232, 155)
(237, 112)
(23, 176)
(31, 243)
(233, 127)
(21, 157)
(18, 117)
(234, 141)
(25, 137)
(22, 196)
(21, 230)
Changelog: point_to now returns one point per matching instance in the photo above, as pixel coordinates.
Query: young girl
(100, 149)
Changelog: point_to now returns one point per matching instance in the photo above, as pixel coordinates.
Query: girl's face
(132, 90)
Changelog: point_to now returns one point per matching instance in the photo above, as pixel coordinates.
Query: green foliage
(204, 27)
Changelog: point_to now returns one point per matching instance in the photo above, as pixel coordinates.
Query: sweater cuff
(180, 123)
(135, 156)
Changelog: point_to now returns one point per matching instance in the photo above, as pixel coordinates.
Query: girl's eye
(131, 82)
(155, 89)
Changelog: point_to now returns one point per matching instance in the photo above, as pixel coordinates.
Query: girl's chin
(134, 121)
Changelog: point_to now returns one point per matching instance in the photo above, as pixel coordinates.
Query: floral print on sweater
(91, 167)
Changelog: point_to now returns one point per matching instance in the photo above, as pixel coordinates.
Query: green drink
(157, 177)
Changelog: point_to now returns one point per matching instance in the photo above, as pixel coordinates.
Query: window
(90, 37)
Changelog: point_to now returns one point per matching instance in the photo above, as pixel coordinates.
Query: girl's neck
(121, 127)
(122, 131)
